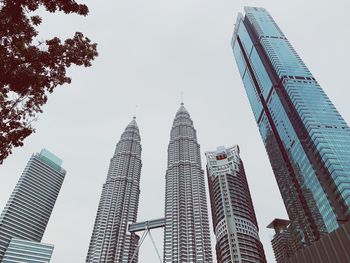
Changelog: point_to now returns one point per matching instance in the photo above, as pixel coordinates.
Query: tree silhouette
(30, 70)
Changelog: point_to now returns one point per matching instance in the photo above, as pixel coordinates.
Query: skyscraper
(29, 208)
(186, 234)
(234, 221)
(111, 241)
(307, 140)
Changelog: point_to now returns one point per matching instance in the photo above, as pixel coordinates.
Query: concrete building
(235, 225)
(284, 243)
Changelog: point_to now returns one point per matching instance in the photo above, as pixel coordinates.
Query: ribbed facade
(284, 242)
(23, 251)
(307, 140)
(234, 221)
(29, 208)
(186, 234)
(281, 244)
(111, 241)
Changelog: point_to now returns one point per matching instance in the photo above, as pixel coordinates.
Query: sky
(149, 53)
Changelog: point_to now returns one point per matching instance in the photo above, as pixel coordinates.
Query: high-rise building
(111, 240)
(283, 243)
(29, 208)
(186, 234)
(307, 140)
(25, 251)
(234, 221)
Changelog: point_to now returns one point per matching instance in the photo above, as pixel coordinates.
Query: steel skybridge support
(146, 226)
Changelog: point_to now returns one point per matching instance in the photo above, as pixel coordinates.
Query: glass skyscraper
(29, 208)
(25, 251)
(111, 241)
(307, 140)
(234, 221)
(186, 234)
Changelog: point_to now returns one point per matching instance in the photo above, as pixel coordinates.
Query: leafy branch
(29, 72)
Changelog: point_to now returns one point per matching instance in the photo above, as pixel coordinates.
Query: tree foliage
(30, 70)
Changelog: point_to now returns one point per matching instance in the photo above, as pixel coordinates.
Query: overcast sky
(150, 52)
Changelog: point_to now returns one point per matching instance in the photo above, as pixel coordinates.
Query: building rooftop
(49, 155)
(278, 224)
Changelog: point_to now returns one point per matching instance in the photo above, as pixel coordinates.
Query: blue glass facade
(307, 140)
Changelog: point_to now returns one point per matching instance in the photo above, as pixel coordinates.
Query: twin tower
(186, 234)
(186, 222)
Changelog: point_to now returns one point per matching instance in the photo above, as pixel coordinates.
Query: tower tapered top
(133, 123)
(182, 116)
(182, 109)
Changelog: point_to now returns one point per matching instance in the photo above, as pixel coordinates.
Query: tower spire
(134, 116)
